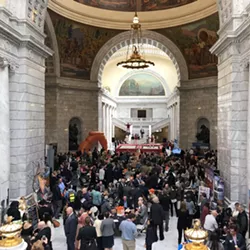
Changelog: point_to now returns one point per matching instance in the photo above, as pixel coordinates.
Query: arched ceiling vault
(185, 13)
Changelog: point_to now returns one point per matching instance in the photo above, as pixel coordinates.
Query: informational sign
(209, 177)
(203, 190)
(218, 190)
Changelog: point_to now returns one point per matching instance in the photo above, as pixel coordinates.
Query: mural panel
(129, 5)
(78, 45)
(194, 41)
(142, 84)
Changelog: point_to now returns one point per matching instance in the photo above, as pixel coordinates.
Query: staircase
(161, 124)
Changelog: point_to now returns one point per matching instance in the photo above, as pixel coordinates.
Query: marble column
(248, 138)
(107, 124)
(103, 118)
(4, 129)
(149, 130)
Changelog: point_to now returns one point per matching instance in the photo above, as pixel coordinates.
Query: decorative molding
(149, 37)
(121, 20)
(13, 65)
(36, 11)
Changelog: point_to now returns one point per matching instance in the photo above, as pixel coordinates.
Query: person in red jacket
(204, 213)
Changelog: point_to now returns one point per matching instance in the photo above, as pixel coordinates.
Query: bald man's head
(69, 211)
(41, 225)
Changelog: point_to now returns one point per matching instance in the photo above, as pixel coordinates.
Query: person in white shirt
(210, 223)
(101, 174)
(97, 225)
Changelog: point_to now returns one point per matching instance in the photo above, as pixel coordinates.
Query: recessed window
(141, 113)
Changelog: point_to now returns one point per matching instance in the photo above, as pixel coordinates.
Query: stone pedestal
(22, 246)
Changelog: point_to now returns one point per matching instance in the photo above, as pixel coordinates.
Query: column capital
(4, 62)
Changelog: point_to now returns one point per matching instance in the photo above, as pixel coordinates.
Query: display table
(22, 246)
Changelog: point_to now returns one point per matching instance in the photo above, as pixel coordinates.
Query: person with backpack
(70, 197)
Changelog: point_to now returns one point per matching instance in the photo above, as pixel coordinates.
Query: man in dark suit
(157, 217)
(70, 228)
(235, 241)
(242, 221)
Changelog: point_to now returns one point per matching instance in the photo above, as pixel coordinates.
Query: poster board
(202, 190)
(218, 192)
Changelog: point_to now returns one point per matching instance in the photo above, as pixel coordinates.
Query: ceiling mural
(78, 45)
(195, 40)
(130, 5)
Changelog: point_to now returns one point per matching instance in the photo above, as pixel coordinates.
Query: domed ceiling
(118, 14)
(131, 5)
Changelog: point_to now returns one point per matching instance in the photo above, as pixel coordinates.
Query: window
(141, 114)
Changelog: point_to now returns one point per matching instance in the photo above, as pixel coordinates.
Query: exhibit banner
(209, 177)
(202, 190)
(218, 190)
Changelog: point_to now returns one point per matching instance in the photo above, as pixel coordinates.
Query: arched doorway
(74, 133)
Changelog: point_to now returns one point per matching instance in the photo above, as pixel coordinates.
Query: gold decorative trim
(121, 20)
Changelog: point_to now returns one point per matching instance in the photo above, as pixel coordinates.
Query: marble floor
(170, 242)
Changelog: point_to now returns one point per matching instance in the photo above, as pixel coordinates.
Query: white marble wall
(26, 90)
(233, 99)
(4, 129)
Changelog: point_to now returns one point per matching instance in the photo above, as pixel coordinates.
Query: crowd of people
(100, 195)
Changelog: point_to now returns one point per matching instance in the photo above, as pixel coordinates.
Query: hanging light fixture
(134, 58)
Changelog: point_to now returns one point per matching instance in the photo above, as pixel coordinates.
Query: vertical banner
(209, 178)
(218, 190)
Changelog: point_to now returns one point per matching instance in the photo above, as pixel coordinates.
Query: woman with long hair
(183, 220)
(214, 242)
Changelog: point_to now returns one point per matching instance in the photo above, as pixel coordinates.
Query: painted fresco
(142, 84)
(78, 45)
(129, 5)
(194, 41)
(148, 5)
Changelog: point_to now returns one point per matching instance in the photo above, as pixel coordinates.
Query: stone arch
(149, 37)
(52, 40)
(153, 73)
(74, 142)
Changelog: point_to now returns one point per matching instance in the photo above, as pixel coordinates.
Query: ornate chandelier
(135, 60)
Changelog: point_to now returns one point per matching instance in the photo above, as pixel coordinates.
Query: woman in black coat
(14, 211)
(183, 220)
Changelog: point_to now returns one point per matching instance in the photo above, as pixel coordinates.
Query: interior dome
(131, 5)
(118, 14)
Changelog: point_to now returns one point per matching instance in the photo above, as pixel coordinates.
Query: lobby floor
(170, 242)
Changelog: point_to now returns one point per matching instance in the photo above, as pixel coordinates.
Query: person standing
(87, 236)
(128, 229)
(70, 228)
(210, 223)
(157, 217)
(150, 236)
(242, 221)
(234, 241)
(108, 231)
(97, 225)
(165, 202)
(182, 220)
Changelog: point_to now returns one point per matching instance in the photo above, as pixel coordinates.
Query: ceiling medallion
(135, 60)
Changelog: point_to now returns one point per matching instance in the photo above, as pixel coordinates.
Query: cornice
(121, 20)
(232, 37)
(20, 40)
(70, 83)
